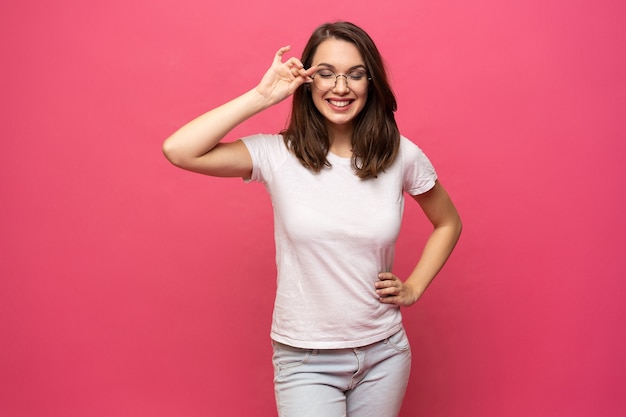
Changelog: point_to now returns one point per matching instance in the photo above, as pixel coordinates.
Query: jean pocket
(286, 356)
(399, 341)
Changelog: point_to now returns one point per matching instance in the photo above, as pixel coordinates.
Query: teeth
(339, 103)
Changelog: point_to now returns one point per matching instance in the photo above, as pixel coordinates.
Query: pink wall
(130, 288)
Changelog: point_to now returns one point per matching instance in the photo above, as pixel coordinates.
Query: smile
(340, 103)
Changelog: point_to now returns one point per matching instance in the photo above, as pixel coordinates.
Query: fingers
(392, 290)
(389, 289)
(294, 64)
(296, 67)
(279, 54)
(387, 284)
(291, 62)
(386, 276)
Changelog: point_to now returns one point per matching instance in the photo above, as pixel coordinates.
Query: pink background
(131, 288)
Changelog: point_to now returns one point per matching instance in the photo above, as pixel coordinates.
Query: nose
(341, 86)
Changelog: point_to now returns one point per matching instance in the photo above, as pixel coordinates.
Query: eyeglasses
(326, 80)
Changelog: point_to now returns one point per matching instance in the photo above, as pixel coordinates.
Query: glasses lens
(324, 80)
(357, 80)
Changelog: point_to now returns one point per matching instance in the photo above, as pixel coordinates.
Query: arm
(197, 145)
(445, 219)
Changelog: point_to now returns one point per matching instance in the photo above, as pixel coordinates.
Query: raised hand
(282, 79)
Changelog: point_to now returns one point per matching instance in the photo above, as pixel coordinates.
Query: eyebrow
(323, 64)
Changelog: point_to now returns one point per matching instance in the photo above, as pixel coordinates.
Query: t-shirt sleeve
(419, 173)
(265, 151)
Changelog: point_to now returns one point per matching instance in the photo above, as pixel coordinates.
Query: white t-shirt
(334, 233)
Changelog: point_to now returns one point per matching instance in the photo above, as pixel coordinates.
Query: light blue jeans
(368, 381)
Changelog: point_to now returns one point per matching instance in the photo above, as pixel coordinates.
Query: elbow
(457, 228)
(171, 153)
(453, 226)
(457, 225)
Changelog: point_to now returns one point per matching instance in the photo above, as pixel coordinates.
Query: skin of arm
(442, 213)
(197, 145)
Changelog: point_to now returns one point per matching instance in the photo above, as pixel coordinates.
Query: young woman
(336, 177)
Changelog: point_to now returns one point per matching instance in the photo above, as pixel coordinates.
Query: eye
(357, 75)
(325, 74)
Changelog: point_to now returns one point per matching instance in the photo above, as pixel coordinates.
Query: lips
(339, 103)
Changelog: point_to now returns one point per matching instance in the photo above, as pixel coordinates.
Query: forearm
(436, 252)
(202, 134)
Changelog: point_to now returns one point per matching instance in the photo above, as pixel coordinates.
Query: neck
(341, 146)
(341, 140)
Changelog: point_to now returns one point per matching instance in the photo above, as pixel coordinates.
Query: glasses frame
(346, 76)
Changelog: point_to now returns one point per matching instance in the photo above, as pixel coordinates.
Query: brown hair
(376, 138)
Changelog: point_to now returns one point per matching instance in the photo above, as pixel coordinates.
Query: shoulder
(409, 150)
(264, 146)
(268, 153)
(419, 174)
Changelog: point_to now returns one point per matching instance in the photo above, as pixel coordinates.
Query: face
(346, 97)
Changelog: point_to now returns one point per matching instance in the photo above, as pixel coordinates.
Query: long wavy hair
(375, 139)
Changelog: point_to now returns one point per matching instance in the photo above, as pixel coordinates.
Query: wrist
(257, 97)
(415, 291)
(261, 97)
